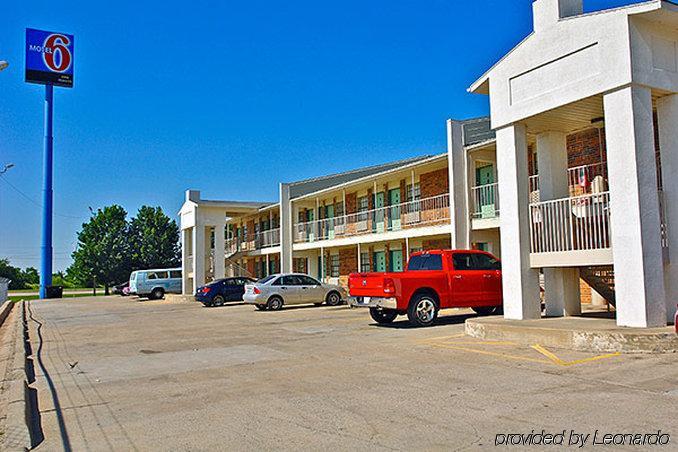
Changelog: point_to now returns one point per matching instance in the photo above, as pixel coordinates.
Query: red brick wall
(348, 261)
(250, 230)
(250, 267)
(585, 292)
(583, 148)
(351, 202)
(437, 244)
(586, 148)
(531, 161)
(434, 183)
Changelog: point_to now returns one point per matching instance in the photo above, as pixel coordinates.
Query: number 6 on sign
(49, 58)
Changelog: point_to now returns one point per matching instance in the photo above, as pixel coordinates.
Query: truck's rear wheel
(383, 316)
(423, 310)
(486, 310)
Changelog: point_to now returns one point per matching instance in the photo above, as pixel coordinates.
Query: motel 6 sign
(49, 58)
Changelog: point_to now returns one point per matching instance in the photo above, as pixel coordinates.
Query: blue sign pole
(47, 197)
(49, 62)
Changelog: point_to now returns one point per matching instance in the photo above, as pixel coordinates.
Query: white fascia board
(484, 79)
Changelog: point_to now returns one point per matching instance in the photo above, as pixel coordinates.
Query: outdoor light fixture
(598, 123)
(3, 65)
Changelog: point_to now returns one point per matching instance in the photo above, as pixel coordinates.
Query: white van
(154, 284)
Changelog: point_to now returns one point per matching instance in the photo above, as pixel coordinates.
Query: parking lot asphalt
(121, 374)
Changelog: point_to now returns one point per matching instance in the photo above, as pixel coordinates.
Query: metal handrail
(570, 224)
(485, 201)
(405, 215)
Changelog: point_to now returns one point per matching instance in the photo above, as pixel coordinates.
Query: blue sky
(232, 97)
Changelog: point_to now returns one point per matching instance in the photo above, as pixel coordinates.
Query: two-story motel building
(580, 150)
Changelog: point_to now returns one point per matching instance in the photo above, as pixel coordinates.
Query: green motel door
(394, 212)
(378, 225)
(485, 176)
(380, 261)
(396, 261)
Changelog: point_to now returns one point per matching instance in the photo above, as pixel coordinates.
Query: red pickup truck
(433, 280)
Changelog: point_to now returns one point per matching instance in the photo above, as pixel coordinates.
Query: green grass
(66, 289)
(66, 295)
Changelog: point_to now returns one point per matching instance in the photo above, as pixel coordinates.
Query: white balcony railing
(266, 239)
(570, 224)
(485, 201)
(412, 214)
(581, 180)
(587, 179)
(578, 223)
(260, 240)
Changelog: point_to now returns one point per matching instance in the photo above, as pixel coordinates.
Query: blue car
(220, 291)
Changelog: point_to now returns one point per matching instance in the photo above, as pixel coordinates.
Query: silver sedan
(275, 291)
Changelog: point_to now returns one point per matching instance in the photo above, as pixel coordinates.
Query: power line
(32, 201)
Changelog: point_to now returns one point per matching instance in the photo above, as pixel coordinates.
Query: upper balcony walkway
(433, 211)
(563, 232)
(258, 241)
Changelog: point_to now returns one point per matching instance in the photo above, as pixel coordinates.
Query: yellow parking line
(471, 340)
(560, 362)
(499, 355)
(442, 338)
(509, 343)
(552, 358)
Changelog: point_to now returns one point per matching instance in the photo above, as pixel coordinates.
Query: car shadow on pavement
(440, 321)
(228, 304)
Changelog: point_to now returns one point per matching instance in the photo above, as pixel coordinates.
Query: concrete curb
(20, 408)
(596, 340)
(5, 310)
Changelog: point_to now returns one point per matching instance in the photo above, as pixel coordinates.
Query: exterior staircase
(601, 279)
(238, 270)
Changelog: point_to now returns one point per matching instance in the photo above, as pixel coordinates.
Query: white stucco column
(359, 259)
(198, 240)
(186, 266)
(634, 204)
(667, 116)
(561, 285)
(456, 157)
(219, 251)
(286, 227)
(520, 281)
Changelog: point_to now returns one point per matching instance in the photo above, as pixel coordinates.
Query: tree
(102, 255)
(61, 279)
(31, 276)
(14, 274)
(154, 240)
